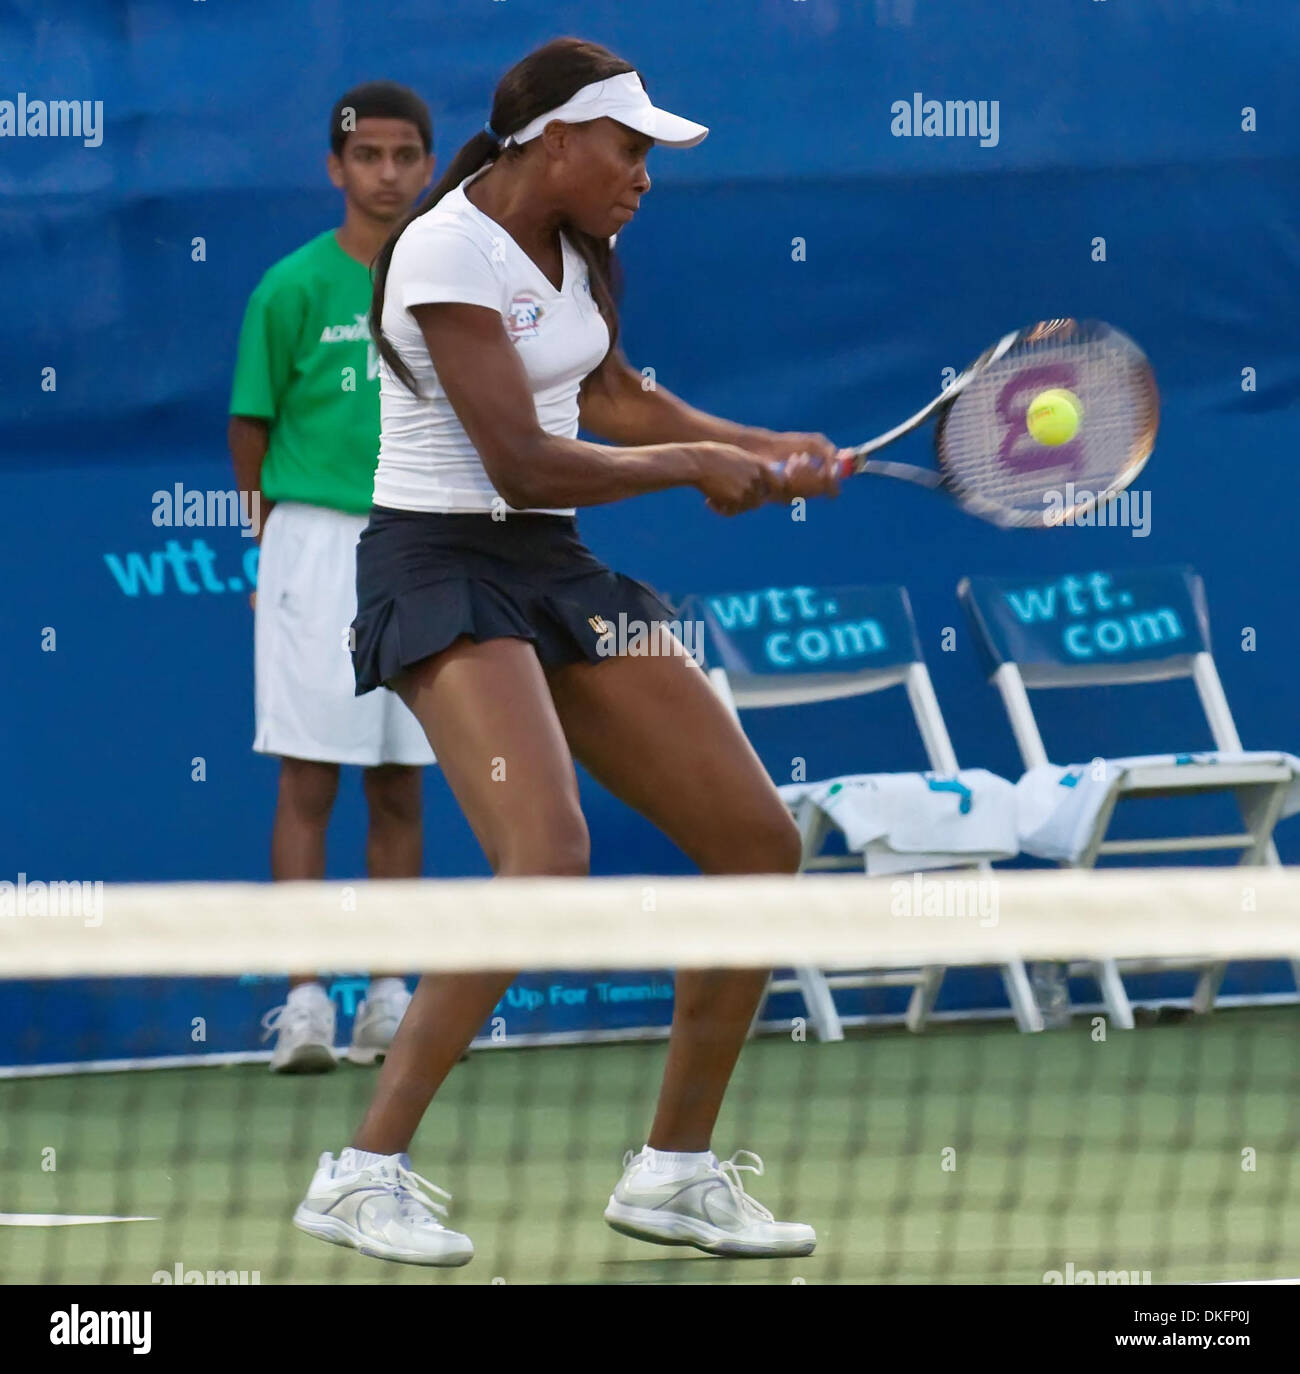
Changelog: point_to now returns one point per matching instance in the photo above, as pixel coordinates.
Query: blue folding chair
(799, 645)
(1111, 628)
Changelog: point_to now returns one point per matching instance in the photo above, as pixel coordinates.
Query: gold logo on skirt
(598, 624)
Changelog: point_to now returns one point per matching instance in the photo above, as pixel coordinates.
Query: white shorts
(305, 688)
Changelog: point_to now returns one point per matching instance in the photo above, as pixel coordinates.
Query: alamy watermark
(182, 506)
(38, 899)
(179, 1274)
(77, 1326)
(1129, 509)
(921, 118)
(946, 899)
(1074, 1276)
(642, 638)
(28, 118)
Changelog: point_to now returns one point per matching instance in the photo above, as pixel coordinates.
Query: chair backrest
(789, 646)
(1100, 627)
(782, 646)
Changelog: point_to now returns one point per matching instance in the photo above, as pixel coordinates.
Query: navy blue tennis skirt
(425, 579)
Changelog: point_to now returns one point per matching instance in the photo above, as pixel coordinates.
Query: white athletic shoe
(377, 1020)
(305, 1026)
(708, 1209)
(383, 1209)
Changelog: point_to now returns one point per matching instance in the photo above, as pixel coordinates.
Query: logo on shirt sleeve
(524, 316)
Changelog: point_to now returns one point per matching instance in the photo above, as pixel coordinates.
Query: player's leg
(488, 715)
(653, 731)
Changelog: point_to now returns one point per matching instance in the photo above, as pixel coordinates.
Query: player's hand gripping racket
(989, 461)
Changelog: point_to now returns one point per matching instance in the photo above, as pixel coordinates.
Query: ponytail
(477, 153)
(542, 81)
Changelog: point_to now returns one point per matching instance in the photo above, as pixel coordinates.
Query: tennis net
(967, 1153)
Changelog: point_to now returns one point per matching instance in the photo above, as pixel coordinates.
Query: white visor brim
(621, 98)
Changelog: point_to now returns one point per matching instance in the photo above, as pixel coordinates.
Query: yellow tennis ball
(1053, 416)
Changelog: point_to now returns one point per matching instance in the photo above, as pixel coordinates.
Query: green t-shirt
(307, 365)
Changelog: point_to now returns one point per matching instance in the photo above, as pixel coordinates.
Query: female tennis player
(480, 605)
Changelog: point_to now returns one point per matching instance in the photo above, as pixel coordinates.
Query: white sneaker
(382, 1209)
(377, 1020)
(305, 1026)
(708, 1209)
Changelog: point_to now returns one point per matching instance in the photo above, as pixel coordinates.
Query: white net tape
(850, 921)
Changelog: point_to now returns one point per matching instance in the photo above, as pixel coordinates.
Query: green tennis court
(971, 1154)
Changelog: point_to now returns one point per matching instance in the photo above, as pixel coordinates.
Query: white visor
(622, 98)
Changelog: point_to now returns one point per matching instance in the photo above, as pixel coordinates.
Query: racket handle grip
(845, 466)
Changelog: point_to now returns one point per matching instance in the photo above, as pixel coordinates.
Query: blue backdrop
(1140, 164)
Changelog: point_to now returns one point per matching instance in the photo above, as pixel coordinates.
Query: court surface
(968, 1154)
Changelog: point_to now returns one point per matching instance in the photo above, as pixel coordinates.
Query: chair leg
(1261, 809)
(758, 1010)
(1207, 987)
(924, 995)
(1113, 995)
(1015, 978)
(814, 826)
(820, 1003)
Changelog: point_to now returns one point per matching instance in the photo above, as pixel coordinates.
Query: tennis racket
(987, 459)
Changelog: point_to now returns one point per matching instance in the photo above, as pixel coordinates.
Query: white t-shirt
(457, 253)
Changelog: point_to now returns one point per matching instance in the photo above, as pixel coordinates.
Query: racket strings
(994, 465)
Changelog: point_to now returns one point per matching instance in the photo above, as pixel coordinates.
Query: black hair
(542, 81)
(379, 100)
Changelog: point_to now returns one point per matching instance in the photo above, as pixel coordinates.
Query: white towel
(1058, 806)
(904, 822)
